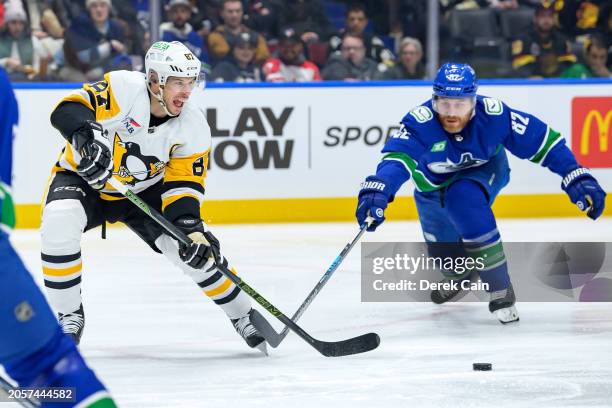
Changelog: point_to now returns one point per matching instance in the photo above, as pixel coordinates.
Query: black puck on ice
(482, 366)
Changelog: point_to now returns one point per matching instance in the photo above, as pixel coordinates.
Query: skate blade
(263, 348)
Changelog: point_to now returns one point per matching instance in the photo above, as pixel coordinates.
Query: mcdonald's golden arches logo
(591, 132)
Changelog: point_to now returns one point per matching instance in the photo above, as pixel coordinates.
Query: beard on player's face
(454, 123)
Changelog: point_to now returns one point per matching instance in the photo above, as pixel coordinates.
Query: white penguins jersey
(175, 151)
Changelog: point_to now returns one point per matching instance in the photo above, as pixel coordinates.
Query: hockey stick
(8, 389)
(355, 345)
(272, 337)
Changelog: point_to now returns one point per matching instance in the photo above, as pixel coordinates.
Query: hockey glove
(96, 161)
(372, 202)
(198, 255)
(584, 191)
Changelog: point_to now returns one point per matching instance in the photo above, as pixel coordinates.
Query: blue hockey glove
(373, 200)
(584, 191)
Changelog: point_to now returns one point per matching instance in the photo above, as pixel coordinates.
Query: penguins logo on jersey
(130, 165)
(448, 166)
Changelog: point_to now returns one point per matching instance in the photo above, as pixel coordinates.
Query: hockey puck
(482, 366)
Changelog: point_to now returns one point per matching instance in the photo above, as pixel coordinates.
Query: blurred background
(309, 40)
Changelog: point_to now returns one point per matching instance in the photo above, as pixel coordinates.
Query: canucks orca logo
(453, 74)
(130, 165)
(448, 166)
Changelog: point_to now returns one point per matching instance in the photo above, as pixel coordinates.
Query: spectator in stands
(604, 25)
(577, 17)
(178, 29)
(544, 52)
(241, 66)
(44, 24)
(352, 63)
(595, 58)
(66, 10)
(409, 19)
(291, 64)
(224, 37)
(308, 18)
(136, 35)
(473, 4)
(21, 53)
(356, 23)
(409, 65)
(94, 44)
(204, 16)
(263, 16)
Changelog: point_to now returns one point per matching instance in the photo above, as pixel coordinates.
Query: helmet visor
(453, 106)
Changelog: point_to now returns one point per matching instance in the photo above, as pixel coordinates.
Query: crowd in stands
(308, 40)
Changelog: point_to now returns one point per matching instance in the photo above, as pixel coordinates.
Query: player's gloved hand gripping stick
(355, 345)
(272, 337)
(584, 191)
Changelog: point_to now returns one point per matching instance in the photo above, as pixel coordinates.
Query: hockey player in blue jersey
(33, 349)
(453, 147)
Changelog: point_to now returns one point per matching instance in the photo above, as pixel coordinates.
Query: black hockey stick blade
(356, 345)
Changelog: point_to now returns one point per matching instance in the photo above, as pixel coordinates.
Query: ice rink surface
(157, 341)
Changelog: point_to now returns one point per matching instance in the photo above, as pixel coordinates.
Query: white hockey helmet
(171, 59)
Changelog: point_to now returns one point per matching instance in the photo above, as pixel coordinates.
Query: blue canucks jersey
(422, 150)
(8, 119)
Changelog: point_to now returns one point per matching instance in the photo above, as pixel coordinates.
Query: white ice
(158, 342)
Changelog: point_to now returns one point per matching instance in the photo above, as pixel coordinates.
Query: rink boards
(298, 152)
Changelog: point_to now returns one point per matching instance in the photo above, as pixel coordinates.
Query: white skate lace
(72, 322)
(244, 327)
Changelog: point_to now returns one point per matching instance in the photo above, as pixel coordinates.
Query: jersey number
(198, 167)
(402, 133)
(98, 88)
(519, 123)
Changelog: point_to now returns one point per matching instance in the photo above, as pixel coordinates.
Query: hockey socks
(468, 207)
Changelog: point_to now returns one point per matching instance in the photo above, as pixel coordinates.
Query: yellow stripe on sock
(62, 272)
(219, 289)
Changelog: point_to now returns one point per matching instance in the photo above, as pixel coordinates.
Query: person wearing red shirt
(291, 64)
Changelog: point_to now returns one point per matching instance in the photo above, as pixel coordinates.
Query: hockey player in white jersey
(149, 131)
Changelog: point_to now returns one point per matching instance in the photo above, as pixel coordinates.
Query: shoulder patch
(439, 147)
(422, 114)
(493, 106)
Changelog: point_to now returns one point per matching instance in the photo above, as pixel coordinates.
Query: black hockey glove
(96, 161)
(201, 253)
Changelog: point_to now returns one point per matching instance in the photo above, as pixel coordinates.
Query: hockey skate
(502, 305)
(249, 333)
(73, 323)
(444, 294)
